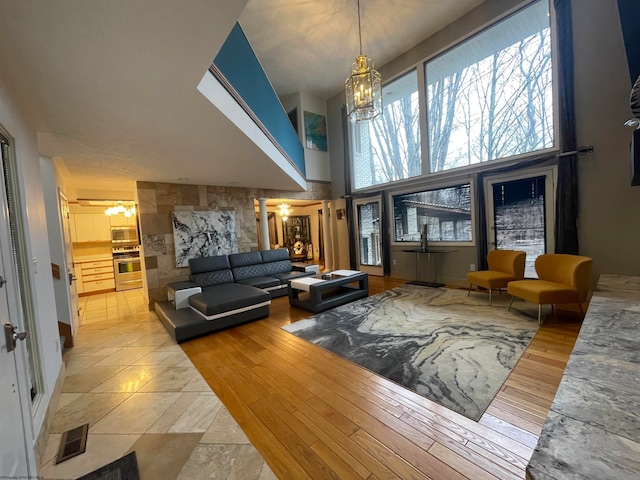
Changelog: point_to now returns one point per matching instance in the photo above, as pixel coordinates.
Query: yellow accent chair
(504, 266)
(561, 279)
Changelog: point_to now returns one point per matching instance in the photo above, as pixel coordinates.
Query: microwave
(128, 234)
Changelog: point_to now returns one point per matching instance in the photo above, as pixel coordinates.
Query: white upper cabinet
(90, 227)
(122, 221)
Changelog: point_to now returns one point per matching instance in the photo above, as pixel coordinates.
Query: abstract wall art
(203, 234)
(315, 129)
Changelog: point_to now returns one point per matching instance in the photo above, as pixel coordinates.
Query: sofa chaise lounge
(226, 290)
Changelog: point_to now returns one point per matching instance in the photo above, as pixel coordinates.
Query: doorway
(368, 216)
(520, 214)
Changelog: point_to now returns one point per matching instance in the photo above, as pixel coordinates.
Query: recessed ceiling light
(233, 183)
(183, 179)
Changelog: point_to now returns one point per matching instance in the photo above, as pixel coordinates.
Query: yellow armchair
(504, 266)
(562, 279)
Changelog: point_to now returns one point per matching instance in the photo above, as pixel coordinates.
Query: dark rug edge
(127, 464)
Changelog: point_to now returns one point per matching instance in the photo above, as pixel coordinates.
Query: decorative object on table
(203, 234)
(315, 131)
(424, 241)
(363, 88)
(450, 348)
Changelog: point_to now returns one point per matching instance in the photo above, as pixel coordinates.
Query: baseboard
(40, 443)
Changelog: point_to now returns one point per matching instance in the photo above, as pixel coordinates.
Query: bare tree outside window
(491, 97)
(488, 98)
(388, 147)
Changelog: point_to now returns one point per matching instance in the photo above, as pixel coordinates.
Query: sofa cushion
(275, 255)
(208, 264)
(261, 282)
(226, 297)
(208, 271)
(209, 279)
(276, 261)
(246, 265)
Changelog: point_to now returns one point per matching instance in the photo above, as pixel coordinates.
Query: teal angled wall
(239, 65)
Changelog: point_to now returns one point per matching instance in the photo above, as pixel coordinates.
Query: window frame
(420, 67)
(355, 142)
(470, 180)
(550, 172)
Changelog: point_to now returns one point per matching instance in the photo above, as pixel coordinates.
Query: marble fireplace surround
(157, 202)
(593, 428)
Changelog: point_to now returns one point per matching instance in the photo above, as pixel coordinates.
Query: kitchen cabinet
(78, 274)
(90, 227)
(121, 221)
(72, 227)
(95, 276)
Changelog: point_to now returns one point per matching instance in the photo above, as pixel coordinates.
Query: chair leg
(511, 302)
(539, 314)
(490, 296)
(469, 291)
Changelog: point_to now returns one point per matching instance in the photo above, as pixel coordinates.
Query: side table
(430, 261)
(178, 293)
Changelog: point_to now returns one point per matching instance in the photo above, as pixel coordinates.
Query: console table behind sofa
(593, 428)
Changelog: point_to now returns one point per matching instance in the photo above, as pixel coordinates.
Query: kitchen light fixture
(284, 209)
(363, 88)
(127, 208)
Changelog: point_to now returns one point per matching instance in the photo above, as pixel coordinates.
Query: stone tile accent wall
(157, 201)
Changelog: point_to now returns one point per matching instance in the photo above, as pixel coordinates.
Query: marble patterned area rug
(453, 349)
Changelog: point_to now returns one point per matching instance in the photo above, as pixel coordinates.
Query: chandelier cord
(359, 28)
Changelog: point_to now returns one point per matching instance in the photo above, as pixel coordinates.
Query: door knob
(11, 336)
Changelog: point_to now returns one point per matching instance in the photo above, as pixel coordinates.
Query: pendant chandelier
(363, 88)
(284, 209)
(126, 208)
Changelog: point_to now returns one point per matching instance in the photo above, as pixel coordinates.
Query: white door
(65, 221)
(16, 457)
(369, 216)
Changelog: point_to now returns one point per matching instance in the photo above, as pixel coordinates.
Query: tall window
(445, 211)
(491, 97)
(388, 148)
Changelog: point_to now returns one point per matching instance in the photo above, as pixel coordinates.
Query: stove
(126, 267)
(126, 251)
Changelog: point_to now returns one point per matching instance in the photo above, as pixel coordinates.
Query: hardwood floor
(312, 414)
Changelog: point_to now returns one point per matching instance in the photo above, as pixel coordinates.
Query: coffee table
(328, 290)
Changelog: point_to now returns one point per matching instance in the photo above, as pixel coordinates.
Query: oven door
(128, 274)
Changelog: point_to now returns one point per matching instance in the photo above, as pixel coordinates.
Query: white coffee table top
(304, 283)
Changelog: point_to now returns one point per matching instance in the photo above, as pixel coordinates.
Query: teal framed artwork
(315, 130)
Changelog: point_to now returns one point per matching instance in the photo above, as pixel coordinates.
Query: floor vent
(74, 442)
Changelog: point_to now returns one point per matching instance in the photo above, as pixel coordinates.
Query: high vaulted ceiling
(110, 86)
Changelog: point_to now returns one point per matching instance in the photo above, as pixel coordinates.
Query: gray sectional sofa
(228, 290)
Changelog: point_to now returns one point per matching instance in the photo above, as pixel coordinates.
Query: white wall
(14, 120)
(316, 163)
(609, 220)
(56, 240)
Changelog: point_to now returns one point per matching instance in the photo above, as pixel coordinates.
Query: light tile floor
(139, 392)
